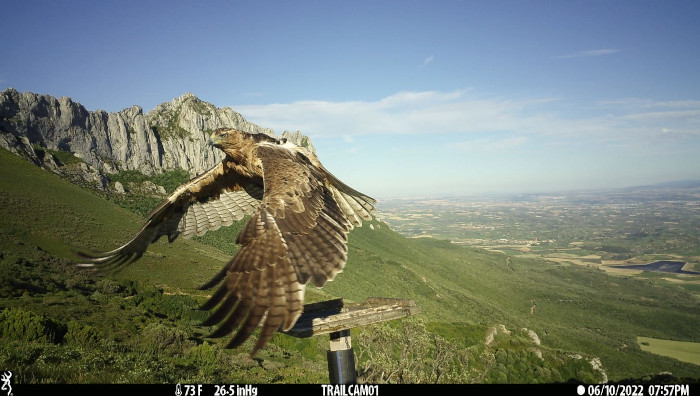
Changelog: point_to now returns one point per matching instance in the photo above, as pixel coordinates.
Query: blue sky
(401, 98)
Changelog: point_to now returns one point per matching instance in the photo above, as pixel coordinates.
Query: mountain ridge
(173, 135)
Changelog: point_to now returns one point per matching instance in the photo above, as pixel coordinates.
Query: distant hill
(679, 189)
(670, 184)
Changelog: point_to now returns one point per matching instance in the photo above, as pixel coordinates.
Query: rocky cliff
(174, 135)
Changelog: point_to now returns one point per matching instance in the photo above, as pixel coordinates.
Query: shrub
(171, 179)
(157, 338)
(80, 334)
(204, 357)
(173, 306)
(23, 325)
(405, 352)
(108, 286)
(64, 157)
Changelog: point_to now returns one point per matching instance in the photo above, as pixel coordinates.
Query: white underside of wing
(354, 208)
(231, 206)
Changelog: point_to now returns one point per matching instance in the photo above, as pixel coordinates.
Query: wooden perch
(333, 315)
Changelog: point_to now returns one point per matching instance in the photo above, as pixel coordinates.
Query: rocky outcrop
(299, 139)
(174, 135)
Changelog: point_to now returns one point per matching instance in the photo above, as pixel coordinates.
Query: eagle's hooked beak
(215, 140)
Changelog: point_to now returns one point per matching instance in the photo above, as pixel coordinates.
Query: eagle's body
(297, 232)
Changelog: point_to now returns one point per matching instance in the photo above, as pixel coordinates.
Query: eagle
(300, 215)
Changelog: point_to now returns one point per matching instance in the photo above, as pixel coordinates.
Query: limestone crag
(173, 135)
(299, 139)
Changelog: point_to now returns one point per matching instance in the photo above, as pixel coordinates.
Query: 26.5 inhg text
(235, 390)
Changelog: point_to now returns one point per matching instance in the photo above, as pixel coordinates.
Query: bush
(108, 286)
(21, 325)
(405, 352)
(157, 338)
(80, 334)
(172, 306)
(170, 180)
(204, 357)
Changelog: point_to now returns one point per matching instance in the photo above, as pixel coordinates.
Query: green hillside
(486, 317)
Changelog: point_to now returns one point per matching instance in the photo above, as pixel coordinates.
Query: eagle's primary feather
(300, 215)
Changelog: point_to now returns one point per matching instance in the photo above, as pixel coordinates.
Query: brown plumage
(297, 232)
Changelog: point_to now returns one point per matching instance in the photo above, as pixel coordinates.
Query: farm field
(604, 230)
(683, 351)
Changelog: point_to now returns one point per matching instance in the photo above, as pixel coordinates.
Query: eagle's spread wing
(213, 199)
(299, 233)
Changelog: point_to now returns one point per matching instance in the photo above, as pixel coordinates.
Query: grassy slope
(578, 309)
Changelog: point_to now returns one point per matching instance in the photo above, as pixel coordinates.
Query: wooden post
(335, 318)
(341, 359)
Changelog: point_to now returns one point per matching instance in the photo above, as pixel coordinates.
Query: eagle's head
(230, 139)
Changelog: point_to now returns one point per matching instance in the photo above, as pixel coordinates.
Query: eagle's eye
(224, 134)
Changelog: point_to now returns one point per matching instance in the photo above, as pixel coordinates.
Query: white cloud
(648, 103)
(660, 119)
(670, 134)
(427, 61)
(657, 115)
(401, 113)
(465, 113)
(585, 54)
(678, 103)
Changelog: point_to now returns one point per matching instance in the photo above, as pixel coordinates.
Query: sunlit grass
(683, 351)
